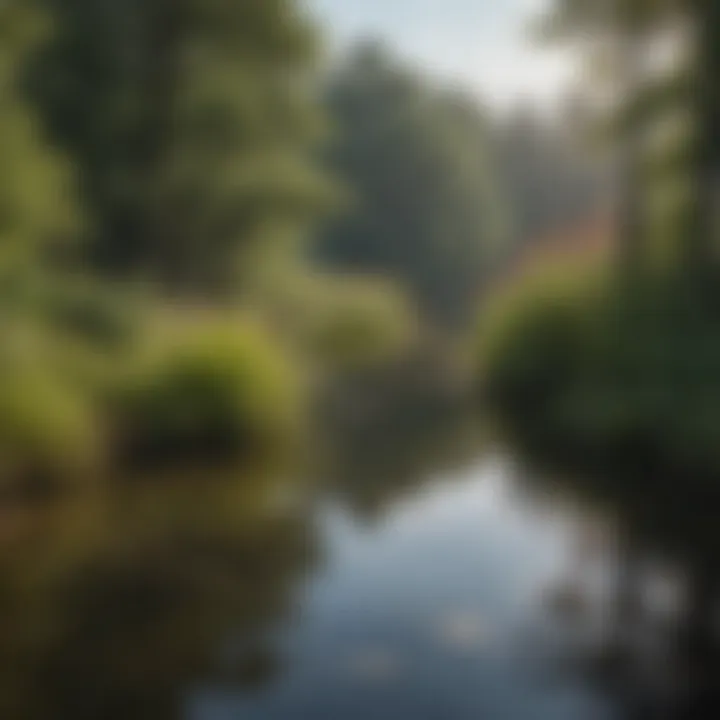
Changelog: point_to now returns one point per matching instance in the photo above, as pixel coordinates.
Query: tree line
(170, 167)
(610, 371)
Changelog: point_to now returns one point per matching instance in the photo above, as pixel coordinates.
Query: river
(431, 604)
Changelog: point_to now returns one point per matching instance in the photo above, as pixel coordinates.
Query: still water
(430, 612)
(211, 606)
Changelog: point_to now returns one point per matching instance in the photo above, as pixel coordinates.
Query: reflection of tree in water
(113, 608)
(393, 453)
(661, 516)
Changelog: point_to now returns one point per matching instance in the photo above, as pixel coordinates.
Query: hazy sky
(482, 43)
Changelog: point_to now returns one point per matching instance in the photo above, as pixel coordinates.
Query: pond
(210, 603)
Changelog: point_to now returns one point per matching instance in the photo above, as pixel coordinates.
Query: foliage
(48, 431)
(366, 324)
(345, 322)
(102, 316)
(532, 343)
(416, 158)
(37, 207)
(190, 124)
(215, 391)
(609, 383)
(618, 381)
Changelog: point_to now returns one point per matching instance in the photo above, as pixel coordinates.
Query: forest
(211, 229)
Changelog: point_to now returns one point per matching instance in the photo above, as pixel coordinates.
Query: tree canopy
(416, 157)
(189, 122)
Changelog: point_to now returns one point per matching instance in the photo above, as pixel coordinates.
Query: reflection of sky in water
(429, 613)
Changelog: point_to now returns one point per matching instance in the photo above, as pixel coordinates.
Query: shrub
(212, 392)
(48, 432)
(361, 324)
(534, 340)
(593, 379)
(342, 322)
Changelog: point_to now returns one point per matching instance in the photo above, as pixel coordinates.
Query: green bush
(48, 432)
(533, 343)
(360, 324)
(618, 390)
(578, 372)
(342, 322)
(210, 392)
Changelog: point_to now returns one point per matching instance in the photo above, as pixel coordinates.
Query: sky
(481, 44)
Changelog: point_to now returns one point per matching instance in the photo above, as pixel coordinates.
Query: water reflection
(387, 458)
(660, 649)
(416, 580)
(430, 611)
(113, 604)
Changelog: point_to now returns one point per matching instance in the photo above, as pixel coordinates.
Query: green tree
(416, 157)
(629, 31)
(37, 209)
(190, 122)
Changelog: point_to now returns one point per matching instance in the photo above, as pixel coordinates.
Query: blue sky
(480, 43)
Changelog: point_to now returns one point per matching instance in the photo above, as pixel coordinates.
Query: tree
(549, 177)
(416, 158)
(190, 122)
(632, 29)
(37, 209)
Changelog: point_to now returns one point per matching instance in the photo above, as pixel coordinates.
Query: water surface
(431, 610)
(217, 601)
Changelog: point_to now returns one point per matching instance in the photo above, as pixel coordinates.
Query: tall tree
(633, 29)
(190, 122)
(616, 33)
(417, 159)
(549, 176)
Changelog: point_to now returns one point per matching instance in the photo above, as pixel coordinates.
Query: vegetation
(48, 433)
(208, 247)
(216, 392)
(611, 374)
(418, 161)
(359, 323)
(185, 126)
(160, 142)
(165, 168)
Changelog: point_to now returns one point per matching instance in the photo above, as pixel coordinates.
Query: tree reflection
(390, 457)
(112, 606)
(675, 672)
